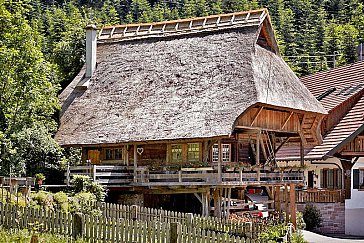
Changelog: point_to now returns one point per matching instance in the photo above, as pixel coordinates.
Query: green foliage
(297, 237)
(273, 233)
(43, 198)
(25, 235)
(312, 217)
(83, 183)
(39, 176)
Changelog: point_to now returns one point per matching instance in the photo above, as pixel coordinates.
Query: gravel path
(316, 238)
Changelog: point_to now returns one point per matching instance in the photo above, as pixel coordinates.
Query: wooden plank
(293, 204)
(256, 116)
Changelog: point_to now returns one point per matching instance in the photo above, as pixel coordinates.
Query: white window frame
(226, 152)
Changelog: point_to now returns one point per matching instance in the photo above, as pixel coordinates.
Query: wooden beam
(263, 148)
(281, 145)
(229, 202)
(135, 162)
(219, 161)
(256, 115)
(286, 199)
(198, 197)
(292, 193)
(302, 155)
(257, 151)
(287, 119)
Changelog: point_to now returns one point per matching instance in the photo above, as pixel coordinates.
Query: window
(108, 154)
(176, 152)
(118, 154)
(331, 178)
(113, 154)
(225, 152)
(358, 178)
(193, 152)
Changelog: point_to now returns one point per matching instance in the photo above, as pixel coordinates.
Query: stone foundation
(333, 217)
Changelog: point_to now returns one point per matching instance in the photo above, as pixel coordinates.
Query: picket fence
(112, 229)
(249, 229)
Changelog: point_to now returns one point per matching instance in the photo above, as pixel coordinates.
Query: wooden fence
(244, 229)
(112, 229)
(320, 196)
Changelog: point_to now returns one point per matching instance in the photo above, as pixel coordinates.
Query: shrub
(83, 183)
(298, 238)
(312, 217)
(43, 198)
(84, 202)
(80, 183)
(61, 199)
(273, 233)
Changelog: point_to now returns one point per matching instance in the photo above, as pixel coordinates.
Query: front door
(94, 156)
(310, 179)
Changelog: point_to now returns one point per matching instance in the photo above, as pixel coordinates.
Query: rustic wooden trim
(257, 151)
(287, 119)
(256, 115)
(220, 160)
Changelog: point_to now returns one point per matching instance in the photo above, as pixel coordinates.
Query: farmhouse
(194, 106)
(335, 167)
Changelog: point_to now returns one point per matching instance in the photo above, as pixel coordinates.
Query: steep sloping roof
(348, 81)
(192, 85)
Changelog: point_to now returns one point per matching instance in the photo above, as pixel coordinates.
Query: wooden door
(310, 179)
(94, 156)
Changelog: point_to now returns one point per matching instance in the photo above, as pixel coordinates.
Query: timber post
(292, 193)
(174, 233)
(135, 163)
(189, 219)
(219, 161)
(257, 151)
(286, 198)
(302, 156)
(94, 173)
(78, 225)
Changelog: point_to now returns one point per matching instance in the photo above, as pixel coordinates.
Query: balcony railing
(115, 176)
(320, 196)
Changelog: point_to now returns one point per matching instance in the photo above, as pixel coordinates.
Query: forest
(42, 49)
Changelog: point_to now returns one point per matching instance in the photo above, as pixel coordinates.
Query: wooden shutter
(355, 179)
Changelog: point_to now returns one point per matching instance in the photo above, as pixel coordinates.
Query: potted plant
(39, 178)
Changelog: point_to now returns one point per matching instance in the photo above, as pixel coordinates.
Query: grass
(20, 236)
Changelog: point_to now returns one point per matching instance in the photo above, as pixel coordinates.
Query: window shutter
(355, 179)
(322, 178)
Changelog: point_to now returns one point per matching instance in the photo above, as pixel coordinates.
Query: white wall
(354, 207)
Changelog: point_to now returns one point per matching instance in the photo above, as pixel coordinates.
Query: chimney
(91, 45)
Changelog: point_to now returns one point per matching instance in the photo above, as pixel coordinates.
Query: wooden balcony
(320, 196)
(355, 147)
(128, 176)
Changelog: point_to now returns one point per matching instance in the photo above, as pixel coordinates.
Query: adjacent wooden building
(187, 106)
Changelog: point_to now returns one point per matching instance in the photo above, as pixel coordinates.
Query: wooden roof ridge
(165, 28)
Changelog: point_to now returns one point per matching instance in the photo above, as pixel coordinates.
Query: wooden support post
(207, 210)
(127, 155)
(302, 156)
(219, 202)
(277, 199)
(124, 154)
(94, 172)
(292, 194)
(224, 194)
(228, 204)
(174, 232)
(286, 198)
(169, 148)
(216, 202)
(273, 139)
(135, 162)
(257, 151)
(219, 162)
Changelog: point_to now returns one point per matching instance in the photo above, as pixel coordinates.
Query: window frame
(174, 151)
(195, 152)
(215, 153)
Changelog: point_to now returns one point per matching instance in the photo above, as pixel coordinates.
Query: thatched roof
(192, 85)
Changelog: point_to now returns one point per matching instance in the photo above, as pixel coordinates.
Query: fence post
(94, 172)
(134, 212)
(68, 179)
(189, 219)
(173, 233)
(78, 225)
